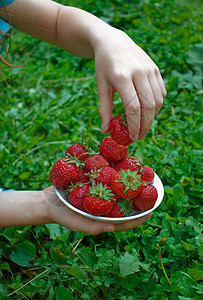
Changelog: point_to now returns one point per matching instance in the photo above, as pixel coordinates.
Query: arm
(63, 26)
(41, 207)
(121, 66)
(22, 208)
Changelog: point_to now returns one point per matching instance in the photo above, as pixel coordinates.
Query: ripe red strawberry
(135, 163)
(111, 150)
(77, 150)
(77, 196)
(134, 206)
(126, 184)
(100, 200)
(147, 198)
(81, 177)
(95, 161)
(112, 164)
(130, 162)
(116, 212)
(103, 175)
(63, 172)
(118, 130)
(147, 174)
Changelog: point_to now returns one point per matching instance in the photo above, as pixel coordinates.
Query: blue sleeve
(5, 28)
(5, 2)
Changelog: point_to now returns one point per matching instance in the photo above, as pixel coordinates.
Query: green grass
(51, 103)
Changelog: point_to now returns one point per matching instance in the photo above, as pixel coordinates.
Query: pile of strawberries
(109, 183)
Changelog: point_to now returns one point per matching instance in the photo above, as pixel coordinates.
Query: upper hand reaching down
(123, 67)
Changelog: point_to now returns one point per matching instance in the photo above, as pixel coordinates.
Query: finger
(147, 103)
(64, 216)
(106, 95)
(51, 197)
(132, 224)
(131, 103)
(82, 224)
(78, 223)
(156, 90)
(161, 83)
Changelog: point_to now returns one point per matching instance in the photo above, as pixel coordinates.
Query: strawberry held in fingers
(126, 184)
(118, 130)
(100, 200)
(147, 198)
(112, 151)
(63, 172)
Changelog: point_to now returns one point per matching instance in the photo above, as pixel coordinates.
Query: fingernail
(142, 136)
(104, 129)
(134, 137)
(108, 228)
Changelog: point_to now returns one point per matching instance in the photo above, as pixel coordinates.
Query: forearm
(69, 28)
(77, 30)
(22, 208)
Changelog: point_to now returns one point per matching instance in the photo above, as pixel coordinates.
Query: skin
(120, 65)
(42, 207)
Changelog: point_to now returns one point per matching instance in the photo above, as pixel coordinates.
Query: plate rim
(157, 182)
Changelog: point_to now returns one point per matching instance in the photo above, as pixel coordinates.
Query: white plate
(60, 192)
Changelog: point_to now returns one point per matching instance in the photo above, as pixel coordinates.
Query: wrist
(18, 208)
(34, 208)
(41, 210)
(100, 33)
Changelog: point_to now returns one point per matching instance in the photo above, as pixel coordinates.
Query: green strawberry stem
(130, 179)
(123, 120)
(102, 192)
(74, 160)
(126, 206)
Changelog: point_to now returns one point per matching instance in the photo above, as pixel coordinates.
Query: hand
(122, 66)
(61, 214)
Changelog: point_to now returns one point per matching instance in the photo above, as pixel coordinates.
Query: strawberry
(63, 172)
(100, 200)
(95, 161)
(82, 177)
(116, 212)
(103, 175)
(77, 196)
(77, 150)
(118, 130)
(134, 206)
(135, 163)
(147, 198)
(147, 174)
(111, 150)
(126, 184)
(130, 162)
(112, 164)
